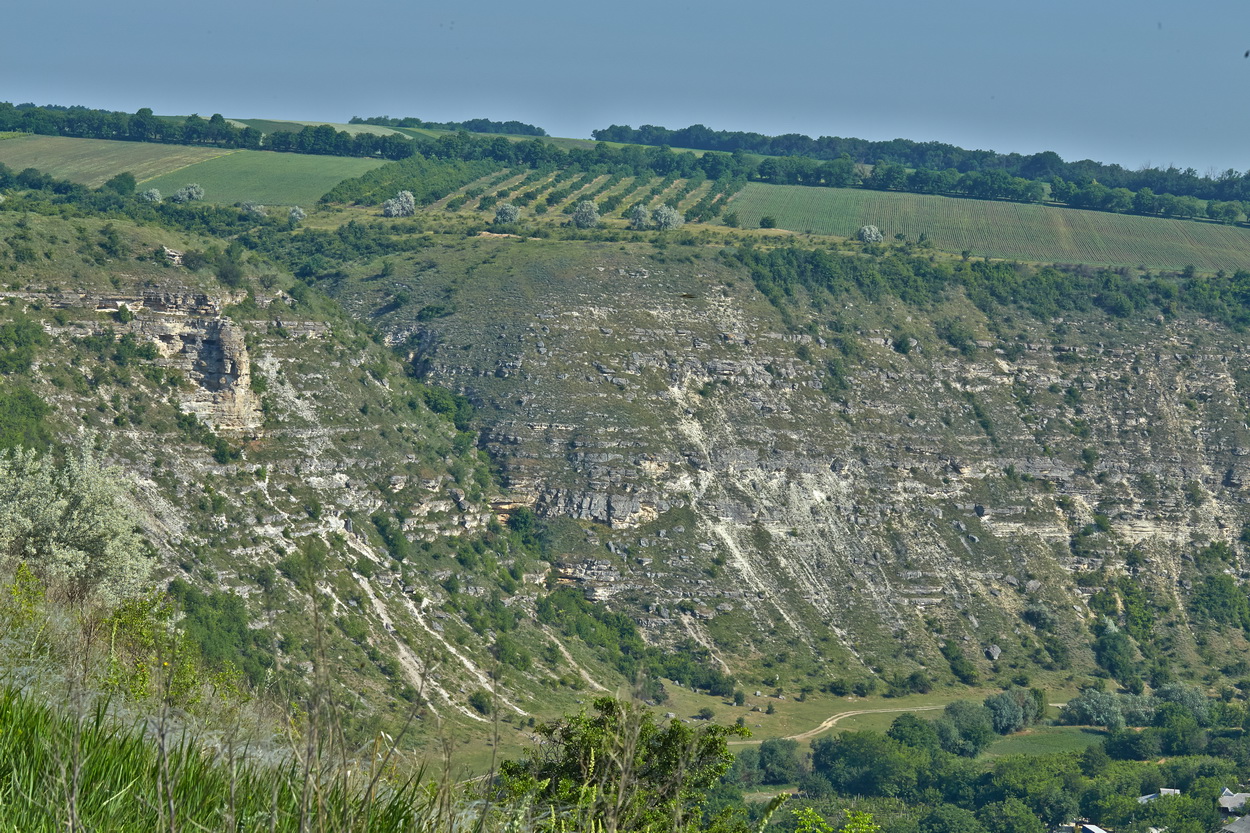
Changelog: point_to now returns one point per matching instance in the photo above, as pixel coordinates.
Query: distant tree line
(1173, 194)
(939, 156)
(143, 126)
(511, 127)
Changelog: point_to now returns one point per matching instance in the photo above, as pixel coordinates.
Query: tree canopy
(621, 767)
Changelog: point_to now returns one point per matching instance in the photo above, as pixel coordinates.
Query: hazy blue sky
(1129, 81)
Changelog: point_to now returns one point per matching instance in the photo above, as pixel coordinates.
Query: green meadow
(988, 228)
(1044, 740)
(93, 161)
(264, 177)
(275, 125)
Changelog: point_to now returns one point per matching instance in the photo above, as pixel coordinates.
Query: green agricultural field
(1043, 740)
(418, 132)
(93, 161)
(264, 177)
(275, 125)
(560, 142)
(1047, 234)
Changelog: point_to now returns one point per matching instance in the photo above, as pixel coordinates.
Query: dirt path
(832, 720)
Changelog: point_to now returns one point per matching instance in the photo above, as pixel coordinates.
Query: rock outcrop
(213, 354)
(914, 488)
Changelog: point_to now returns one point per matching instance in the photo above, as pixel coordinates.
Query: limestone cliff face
(192, 336)
(739, 479)
(214, 356)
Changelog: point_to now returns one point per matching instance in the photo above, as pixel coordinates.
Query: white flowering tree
(869, 234)
(188, 193)
(403, 204)
(666, 218)
(70, 524)
(506, 213)
(639, 217)
(586, 215)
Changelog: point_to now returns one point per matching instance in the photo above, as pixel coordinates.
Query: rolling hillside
(1012, 230)
(91, 162)
(460, 477)
(268, 178)
(996, 229)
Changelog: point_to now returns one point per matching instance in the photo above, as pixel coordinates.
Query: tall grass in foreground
(109, 722)
(66, 771)
(62, 772)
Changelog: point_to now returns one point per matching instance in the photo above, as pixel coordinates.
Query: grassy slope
(1044, 740)
(1001, 229)
(93, 161)
(321, 394)
(269, 178)
(806, 714)
(982, 227)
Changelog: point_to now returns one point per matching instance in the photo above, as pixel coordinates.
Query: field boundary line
(190, 165)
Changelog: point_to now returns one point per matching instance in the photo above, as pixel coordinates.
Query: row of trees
(510, 127)
(584, 216)
(1098, 197)
(992, 185)
(939, 156)
(323, 139)
(988, 182)
(996, 184)
(144, 126)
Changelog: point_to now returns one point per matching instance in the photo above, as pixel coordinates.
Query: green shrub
(71, 524)
(480, 702)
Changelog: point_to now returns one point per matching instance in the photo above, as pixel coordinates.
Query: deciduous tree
(639, 217)
(188, 193)
(123, 183)
(403, 204)
(586, 215)
(69, 523)
(666, 218)
(633, 771)
(869, 234)
(506, 213)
